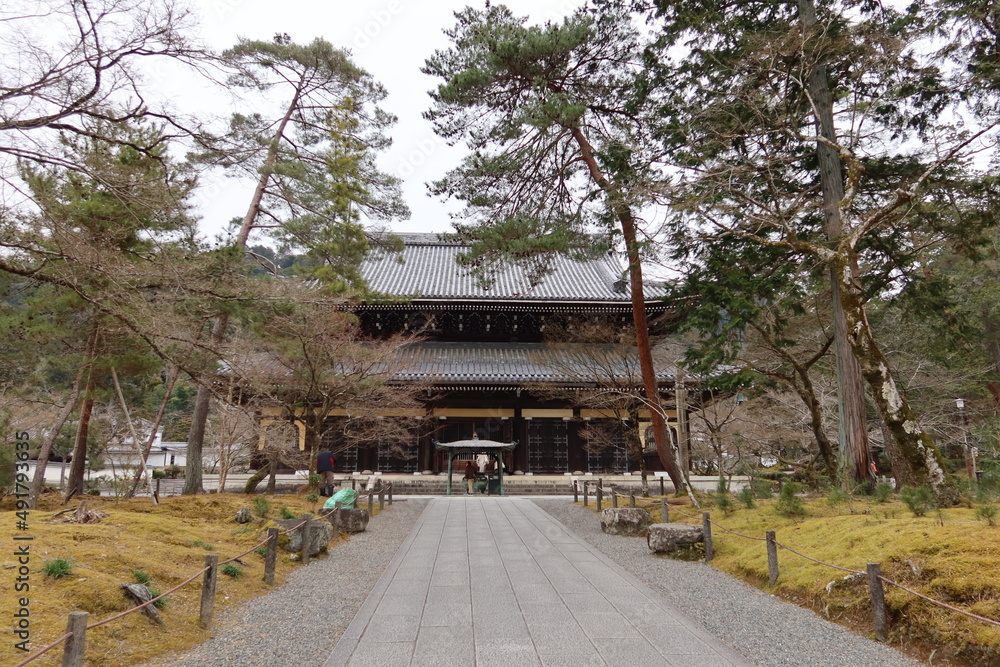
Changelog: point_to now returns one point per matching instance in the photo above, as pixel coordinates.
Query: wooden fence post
(664, 514)
(662, 491)
(371, 503)
(614, 497)
(381, 498)
(157, 494)
(631, 500)
(75, 645)
(208, 590)
(706, 528)
(585, 490)
(354, 483)
(306, 539)
(576, 492)
(390, 493)
(271, 557)
(336, 521)
(599, 496)
(772, 558)
(878, 600)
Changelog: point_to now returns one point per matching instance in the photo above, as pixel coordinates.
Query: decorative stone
(365, 473)
(671, 537)
(243, 515)
(140, 594)
(632, 521)
(320, 534)
(353, 520)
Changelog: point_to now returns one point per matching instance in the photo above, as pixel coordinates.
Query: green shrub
(93, 492)
(203, 544)
(745, 496)
(314, 479)
(141, 577)
(838, 496)
(261, 551)
(987, 513)
(159, 474)
(232, 570)
(883, 492)
(761, 488)
(153, 593)
(57, 568)
(788, 503)
(285, 513)
(919, 500)
(312, 498)
(261, 507)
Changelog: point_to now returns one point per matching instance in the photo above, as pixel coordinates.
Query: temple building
(501, 363)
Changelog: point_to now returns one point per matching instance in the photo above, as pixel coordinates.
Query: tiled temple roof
(427, 268)
(523, 364)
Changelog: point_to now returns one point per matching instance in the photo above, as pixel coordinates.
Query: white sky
(391, 39)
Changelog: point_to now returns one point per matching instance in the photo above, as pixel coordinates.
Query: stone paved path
(497, 581)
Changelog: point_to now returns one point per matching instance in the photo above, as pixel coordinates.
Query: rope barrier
(939, 603)
(66, 636)
(945, 605)
(836, 567)
(45, 650)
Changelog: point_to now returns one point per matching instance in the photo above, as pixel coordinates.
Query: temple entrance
(548, 446)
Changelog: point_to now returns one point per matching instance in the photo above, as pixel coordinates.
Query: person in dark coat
(324, 466)
(470, 476)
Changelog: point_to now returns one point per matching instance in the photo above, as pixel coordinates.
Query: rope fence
(76, 628)
(875, 578)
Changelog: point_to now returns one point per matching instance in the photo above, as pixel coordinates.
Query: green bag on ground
(345, 497)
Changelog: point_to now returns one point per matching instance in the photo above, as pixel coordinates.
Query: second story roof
(428, 269)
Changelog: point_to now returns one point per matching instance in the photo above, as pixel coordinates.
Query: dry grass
(166, 541)
(948, 555)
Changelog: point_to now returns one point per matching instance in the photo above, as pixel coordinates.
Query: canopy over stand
(493, 449)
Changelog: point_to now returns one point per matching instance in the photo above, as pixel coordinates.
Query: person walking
(470, 476)
(324, 466)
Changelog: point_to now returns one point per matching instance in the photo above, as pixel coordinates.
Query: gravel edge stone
(763, 628)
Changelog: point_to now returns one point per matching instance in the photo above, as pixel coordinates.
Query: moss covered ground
(165, 543)
(950, 555)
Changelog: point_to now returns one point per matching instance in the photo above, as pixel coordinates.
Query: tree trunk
(805, 390)
(916, 447)
(202, 401)
(79, 461)
(668, 458)
(38, 481)
(852, 432)
(256, 478)
(168, 390)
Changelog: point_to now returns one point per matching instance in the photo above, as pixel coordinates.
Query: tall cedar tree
(744, 108)
(555, 151)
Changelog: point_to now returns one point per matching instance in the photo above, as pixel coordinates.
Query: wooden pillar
(706, 526)
(271, 557)
(306, 538)
(878, 600)
(74, 647)
(772, 558)
(208, 590)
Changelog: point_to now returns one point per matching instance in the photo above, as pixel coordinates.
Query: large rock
(320, 533)
(353, 520)
(670, 537)
(632, 521)
(243, 515)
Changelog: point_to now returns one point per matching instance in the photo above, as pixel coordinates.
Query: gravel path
(304, 620)
(300, 623)
(763, 628)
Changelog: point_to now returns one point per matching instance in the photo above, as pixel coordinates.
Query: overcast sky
(391, 39)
